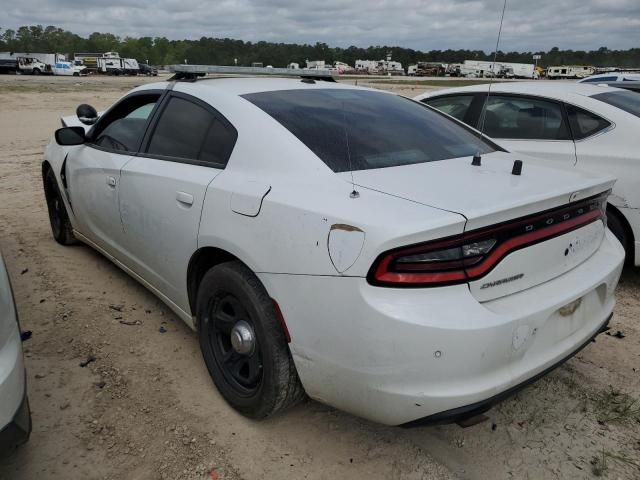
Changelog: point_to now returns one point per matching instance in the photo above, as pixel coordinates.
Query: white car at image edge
(15, 417)
(611, 77)
(564, 124)
(338, 241)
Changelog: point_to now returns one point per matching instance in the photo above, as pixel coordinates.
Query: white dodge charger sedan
(564, 124)
(344, 242)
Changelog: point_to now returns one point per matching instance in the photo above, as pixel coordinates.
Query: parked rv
(569, 71)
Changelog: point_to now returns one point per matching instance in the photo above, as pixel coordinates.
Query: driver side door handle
(111, 181)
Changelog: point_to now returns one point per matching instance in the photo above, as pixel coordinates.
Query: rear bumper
(398, 355)
(467, 411)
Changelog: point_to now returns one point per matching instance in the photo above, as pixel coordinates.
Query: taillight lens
(473, 254)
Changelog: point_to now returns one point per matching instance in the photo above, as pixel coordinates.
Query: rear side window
(122, 127)
(362, 129)
(584, 123)
(524, 118)
(627, 101)
(455, 105)
(187, 130)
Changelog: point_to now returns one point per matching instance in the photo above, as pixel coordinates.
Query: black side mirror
(68, 136)
(87, 114)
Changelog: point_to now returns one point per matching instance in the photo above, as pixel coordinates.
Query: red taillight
(473, 254)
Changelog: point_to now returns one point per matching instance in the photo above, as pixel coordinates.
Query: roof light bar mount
(191, 73)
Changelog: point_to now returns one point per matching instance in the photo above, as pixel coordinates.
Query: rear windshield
(627, 101)
(361, 129)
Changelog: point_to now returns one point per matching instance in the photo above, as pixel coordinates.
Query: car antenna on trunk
(476, 158)
(354, 193)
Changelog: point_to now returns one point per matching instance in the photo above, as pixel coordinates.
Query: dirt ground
(145, 408)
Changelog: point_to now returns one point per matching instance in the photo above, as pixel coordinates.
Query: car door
(163, 189)
(92, 171)
(529, 125)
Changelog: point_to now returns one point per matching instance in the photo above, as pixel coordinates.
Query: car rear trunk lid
(541, 199)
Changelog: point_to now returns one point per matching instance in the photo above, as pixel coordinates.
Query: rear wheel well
(628, 232)
(201, 262)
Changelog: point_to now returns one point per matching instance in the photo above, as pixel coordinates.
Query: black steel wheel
(58, 218)
(242, 342)
(234, 344)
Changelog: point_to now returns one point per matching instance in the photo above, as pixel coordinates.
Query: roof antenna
(354, 193)
(493, 70)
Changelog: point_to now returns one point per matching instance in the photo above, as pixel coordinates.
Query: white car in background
(612, 77)
(15, 417)
(338, 241)
(592, 127)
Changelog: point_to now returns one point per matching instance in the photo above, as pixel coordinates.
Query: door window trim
(151, 128)
(91, 133)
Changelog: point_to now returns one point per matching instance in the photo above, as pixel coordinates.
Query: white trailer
(316, 64)
(110, 65)
(130, 66)
(367, 66)
(522, 70)
(570, 71)
(483, 68)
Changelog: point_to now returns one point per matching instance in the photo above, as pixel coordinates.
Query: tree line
(225, 51)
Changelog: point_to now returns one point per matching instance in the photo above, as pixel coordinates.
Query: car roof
(548, 88)
(246, 85)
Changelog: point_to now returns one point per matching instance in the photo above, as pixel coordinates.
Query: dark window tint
(524, 118)
(627, 101)
(583, 123)
(218, 143)
(361, 129)
(190, 131)
(599, 79)
(123, 127)
(455, 105)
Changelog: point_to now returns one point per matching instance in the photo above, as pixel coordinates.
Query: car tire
(58, 218)
(618, 229)
(36, 71)
(262, 381)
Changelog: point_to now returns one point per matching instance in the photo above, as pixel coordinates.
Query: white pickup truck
(68, 68)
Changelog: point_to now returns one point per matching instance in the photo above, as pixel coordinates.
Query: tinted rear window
(360, 129)
(627, 101)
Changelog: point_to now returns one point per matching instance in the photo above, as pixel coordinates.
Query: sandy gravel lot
(146, 408)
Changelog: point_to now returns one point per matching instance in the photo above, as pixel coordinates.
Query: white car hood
(487, 194)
